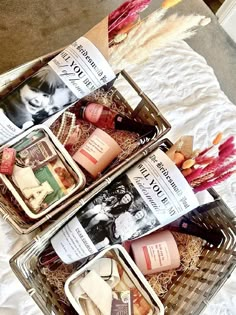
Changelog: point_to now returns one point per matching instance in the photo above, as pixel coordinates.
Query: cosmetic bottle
(184, 225)
(156, 252)
(103, 117)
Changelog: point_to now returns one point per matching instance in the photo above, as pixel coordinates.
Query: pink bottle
(156, 252)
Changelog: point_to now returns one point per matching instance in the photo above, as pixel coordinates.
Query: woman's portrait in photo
(117, 214)
(36, 99)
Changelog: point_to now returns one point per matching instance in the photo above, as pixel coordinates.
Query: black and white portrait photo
(117, 214)
(36, 99)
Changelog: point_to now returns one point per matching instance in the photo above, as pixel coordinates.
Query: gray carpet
(29, 29)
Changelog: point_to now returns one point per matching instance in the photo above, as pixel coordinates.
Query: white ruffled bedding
(187, 92)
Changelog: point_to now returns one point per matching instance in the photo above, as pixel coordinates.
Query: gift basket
(44, 277)
(122, 228)
(145, 112)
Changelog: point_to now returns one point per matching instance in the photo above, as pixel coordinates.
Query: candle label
(82, 67)
(94, 149)
(156, 255)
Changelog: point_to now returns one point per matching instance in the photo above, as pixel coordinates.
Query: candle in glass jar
(97, 152)
(156, 252)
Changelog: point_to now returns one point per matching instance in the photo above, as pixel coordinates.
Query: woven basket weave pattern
(145, 112)
(190, 291)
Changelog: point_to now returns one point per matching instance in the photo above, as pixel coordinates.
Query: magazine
(76, 72)
(147, 197)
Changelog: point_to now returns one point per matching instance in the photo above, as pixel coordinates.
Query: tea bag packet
(7, 161)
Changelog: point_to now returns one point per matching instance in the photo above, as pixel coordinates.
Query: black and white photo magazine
(148, 196)
(34, 101)
(117, 214)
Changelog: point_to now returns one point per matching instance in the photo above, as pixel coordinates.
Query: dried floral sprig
(207, 171)
(226, 143)
(125, 16)
(152, 34)
(225, 168)
(208, 184)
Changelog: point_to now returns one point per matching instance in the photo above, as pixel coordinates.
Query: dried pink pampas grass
(126, 14)
(152, 34)
(216, 181)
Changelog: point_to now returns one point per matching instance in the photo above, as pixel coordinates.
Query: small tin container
(63, 157)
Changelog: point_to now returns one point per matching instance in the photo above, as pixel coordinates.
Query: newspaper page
(74, 73)
(149, 196)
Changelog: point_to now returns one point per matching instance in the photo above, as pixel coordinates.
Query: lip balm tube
(97, 152)
(156, 252)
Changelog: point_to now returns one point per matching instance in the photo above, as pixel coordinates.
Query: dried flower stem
(150, 35)
(209, 184)
(198, 181)
(226, 143)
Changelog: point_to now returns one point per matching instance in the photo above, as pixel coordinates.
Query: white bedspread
(187, 92)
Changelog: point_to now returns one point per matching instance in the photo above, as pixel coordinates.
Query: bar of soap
(24, 177)
(98, 291)
(107, 269)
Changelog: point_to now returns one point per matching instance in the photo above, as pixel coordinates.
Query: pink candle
(156, 252)
(97, 152)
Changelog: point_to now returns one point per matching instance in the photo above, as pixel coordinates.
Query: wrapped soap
(7, 161)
